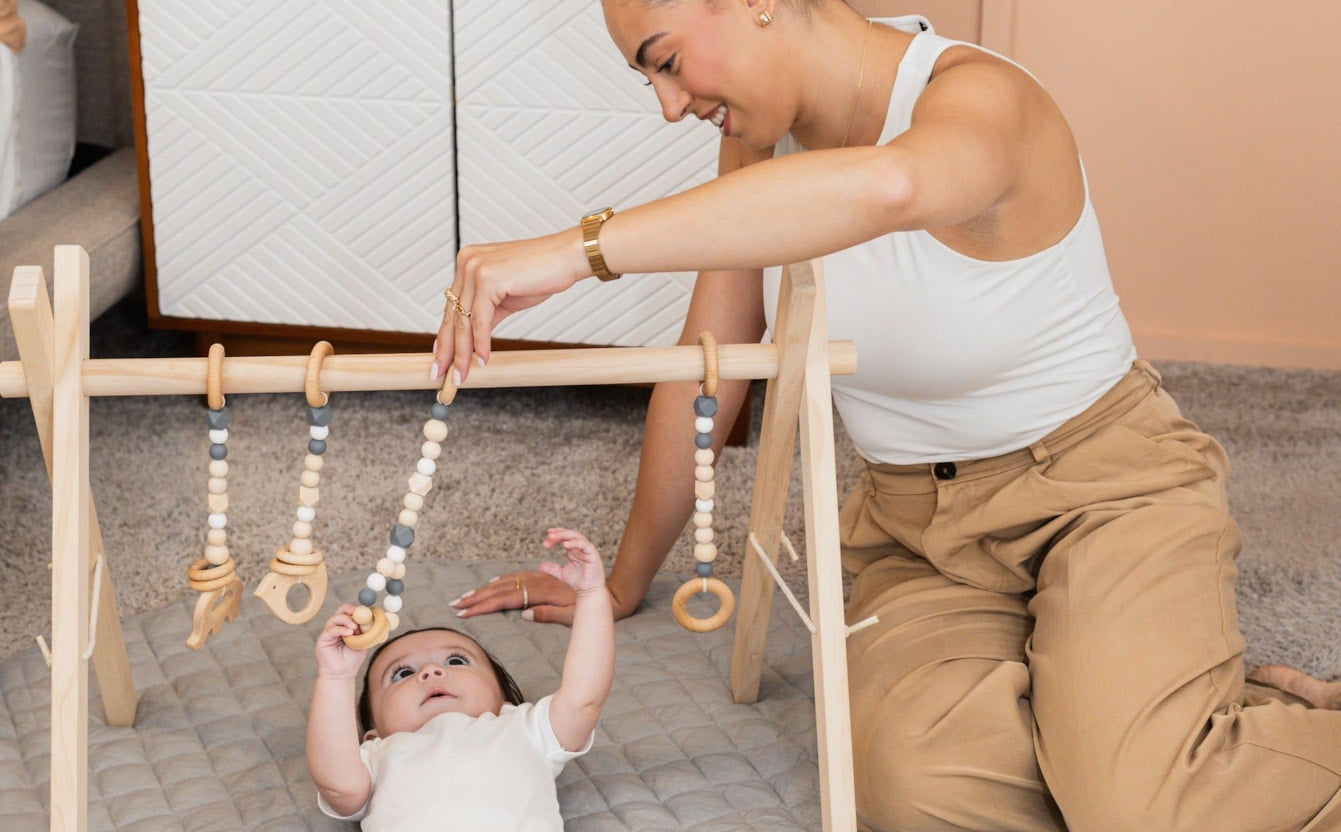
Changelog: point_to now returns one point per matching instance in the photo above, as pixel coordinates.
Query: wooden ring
(710, 374)
(205, 584)
(214, 396)
(284, 555)
(371, 635)
(203, 570)
(447, 392)
(297, 570)
(692, 587)
(316, 398)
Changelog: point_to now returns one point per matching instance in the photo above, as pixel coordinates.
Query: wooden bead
(413, 501)
(216, 555)
(407, 518)
(430, 450)
(301, 546)
(313, 462)
(218, 485)
(216, 537)
(420, 484)
(703, 473)
(435, 430)
(704, 490)
(218, 503)
(308, 496)
(218, 468)
(362, 615)
(702, 519)
(703, 535)
(705, 552)
(302, 529)
(385, 567)
(311, 479)
(398, 572)
(703, 456)
(392, 620)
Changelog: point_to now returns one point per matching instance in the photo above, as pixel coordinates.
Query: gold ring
(526, 596)
(455, 302)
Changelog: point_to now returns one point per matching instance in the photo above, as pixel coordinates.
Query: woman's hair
(511, 692)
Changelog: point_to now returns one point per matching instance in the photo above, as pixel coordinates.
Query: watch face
(596, 212)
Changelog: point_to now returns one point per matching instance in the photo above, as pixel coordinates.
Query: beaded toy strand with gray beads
(375, 622)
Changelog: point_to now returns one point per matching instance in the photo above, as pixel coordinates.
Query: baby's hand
(334, 657)
(584, 570)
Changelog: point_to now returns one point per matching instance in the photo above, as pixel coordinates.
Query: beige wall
(1211, 133)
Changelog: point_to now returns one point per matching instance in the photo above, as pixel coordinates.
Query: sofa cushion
(98, 209)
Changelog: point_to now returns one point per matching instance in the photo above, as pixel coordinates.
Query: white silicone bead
(704, 506)
(218, 521)
(376, 582)
(391, 603)
(703, 424)
(426, 466)
(219, 436)
(307, 514)
(703, 456)
(319, 431)
(396, 553)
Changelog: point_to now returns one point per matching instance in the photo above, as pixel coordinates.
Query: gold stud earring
(765, 18)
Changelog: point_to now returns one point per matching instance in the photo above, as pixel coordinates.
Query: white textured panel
(551, 122)
(301, 159)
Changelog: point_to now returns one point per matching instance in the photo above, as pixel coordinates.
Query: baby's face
(426, 674)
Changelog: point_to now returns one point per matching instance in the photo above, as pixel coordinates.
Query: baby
(448, 741)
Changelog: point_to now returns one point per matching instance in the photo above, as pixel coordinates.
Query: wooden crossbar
(59, 378)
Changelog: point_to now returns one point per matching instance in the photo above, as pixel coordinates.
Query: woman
(1044, 537)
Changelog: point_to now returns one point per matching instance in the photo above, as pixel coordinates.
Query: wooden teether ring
(312, 385)
(692, 587)
(213, 608)
(214, 378)
(275, 586)
(373, 634)
(206, 578)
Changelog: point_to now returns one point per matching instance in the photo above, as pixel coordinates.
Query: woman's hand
(494, 280)
(335, 658)
(547, 598)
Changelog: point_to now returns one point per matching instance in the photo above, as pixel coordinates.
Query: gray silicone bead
(218, 419)
(218, 451)
(316, 446)
(402, 536)
(703, 440)
(367, 597)
(319, 416)
(704, 570)
(705, 406)
(395, 587)
(440, 411)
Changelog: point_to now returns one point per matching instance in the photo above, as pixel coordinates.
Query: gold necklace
(861, 75)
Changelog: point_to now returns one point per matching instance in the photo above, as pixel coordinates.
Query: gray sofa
(99, 207)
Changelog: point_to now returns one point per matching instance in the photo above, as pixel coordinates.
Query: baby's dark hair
(511, 691)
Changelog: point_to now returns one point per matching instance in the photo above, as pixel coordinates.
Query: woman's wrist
(575, 251)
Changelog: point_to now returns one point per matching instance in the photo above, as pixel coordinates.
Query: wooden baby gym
(58, 378)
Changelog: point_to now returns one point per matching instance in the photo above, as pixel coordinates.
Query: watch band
(591, 229)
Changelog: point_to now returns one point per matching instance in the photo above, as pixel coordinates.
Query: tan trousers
(1058, 646)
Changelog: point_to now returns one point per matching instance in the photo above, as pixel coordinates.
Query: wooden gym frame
(58, 378)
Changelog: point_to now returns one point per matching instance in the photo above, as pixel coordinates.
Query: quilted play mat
(218, 738)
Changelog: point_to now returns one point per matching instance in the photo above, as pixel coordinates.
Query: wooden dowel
(409, 371)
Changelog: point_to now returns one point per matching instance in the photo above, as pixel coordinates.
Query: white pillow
(37, 107)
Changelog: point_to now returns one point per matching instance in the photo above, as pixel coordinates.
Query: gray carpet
(522, 460)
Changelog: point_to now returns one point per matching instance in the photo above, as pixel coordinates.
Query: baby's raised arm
(333, 757)
(589, 666)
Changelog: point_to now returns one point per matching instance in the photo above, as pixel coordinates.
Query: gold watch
(591, 229)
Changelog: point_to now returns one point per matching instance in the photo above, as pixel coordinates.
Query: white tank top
(961, 358)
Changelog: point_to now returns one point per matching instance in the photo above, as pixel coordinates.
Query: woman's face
(704, 60)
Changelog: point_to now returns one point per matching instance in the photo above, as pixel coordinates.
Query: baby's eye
(401, 672)
(456, 661)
